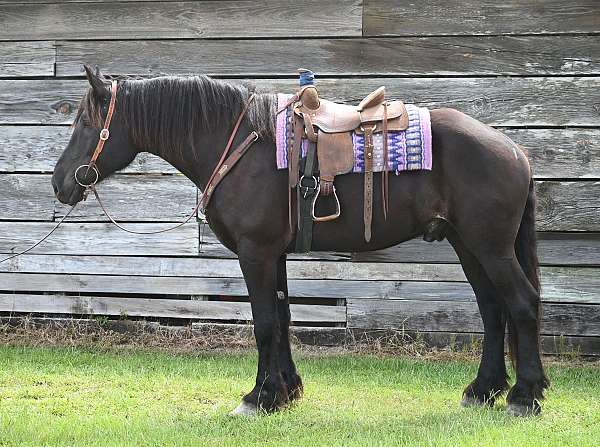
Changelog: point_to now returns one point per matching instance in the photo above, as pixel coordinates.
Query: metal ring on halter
(104, 134)
(88, 167)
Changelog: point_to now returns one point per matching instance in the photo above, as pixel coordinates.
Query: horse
(479, 195)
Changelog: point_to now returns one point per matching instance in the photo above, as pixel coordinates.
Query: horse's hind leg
(491, 376)
(288, 368)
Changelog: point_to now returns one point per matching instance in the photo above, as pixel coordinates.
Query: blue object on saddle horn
(307, 77)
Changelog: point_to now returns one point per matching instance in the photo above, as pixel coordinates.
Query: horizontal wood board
(184, 19)
(194, 239)
(141, 307)
(459, 17)
(502, 101)
(27, 59)
(412, 56)
(554, 153)
(434, 316)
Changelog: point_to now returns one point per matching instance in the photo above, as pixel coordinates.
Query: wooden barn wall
(528, 67)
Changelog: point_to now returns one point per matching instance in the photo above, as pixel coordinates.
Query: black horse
(479, 195)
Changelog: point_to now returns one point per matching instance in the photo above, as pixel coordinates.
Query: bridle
(225, 164)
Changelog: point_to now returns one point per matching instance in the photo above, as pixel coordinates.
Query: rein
(225, 164)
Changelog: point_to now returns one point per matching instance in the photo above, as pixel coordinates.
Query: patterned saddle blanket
(408, 149)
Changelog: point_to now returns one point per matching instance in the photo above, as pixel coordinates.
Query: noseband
(104, 134)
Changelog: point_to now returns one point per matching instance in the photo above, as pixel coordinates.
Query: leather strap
(294, 156)
(104, 133)
(305, 199)
(384, 174)
(209, 185)
(309, 128)
(368, 187)
(226, 166)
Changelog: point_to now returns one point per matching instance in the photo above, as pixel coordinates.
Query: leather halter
(104, 134)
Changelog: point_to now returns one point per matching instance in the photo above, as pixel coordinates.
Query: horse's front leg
(288, 368)
(270, 391)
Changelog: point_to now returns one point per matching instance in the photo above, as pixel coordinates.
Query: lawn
(79, 397)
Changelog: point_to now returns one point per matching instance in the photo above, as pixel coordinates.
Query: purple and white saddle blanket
(408, 149)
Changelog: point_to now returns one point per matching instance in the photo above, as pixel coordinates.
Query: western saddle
(328, 127)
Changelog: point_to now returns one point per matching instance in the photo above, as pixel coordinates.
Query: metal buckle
(104, 134)
(306, 189)
(94, 168)
(372, 129)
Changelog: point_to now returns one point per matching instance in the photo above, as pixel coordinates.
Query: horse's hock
(89, 269)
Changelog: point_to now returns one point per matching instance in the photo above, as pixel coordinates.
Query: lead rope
(41, 240)
(118, 225)
(112, 220)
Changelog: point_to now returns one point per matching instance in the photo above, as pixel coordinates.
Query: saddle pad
(408, 150)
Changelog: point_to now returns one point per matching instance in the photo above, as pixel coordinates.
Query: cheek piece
(104, 135)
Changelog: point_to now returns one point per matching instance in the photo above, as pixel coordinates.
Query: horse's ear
(99, 85)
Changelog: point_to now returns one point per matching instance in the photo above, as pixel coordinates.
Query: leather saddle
(330, 125)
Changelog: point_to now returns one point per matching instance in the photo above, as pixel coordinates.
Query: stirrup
(330, 216)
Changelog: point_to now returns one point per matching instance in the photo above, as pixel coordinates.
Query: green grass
(77, 397)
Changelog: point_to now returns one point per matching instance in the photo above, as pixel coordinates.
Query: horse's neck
(197, 163)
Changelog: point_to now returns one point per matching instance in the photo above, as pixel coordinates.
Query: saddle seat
(332, 117)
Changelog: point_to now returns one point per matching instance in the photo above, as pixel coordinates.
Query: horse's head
(116, 154)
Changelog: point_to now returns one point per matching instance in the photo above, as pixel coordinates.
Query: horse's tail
(526, 251)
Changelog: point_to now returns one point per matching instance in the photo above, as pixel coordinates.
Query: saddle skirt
(408, 149)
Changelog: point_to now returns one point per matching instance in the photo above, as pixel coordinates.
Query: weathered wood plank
(568, 206)
(560, 153)
(143, 307)
(433, 56)
(104, 239)
(574, 319)
(227, 268)
(553, 249)
(168, 285)
(554, 153)
(559, 284)
(187, 19)
(134, 198)
(98, 239)
(538, 101)
(550, 344)
(458, 17)
(563, 206)
(27, 59)
(37, 149)
(562, 286)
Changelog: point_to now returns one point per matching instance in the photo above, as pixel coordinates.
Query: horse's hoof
(520, 410)
(245, 409)
(471, 402)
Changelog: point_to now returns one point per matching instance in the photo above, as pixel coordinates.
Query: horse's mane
(163, 112)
